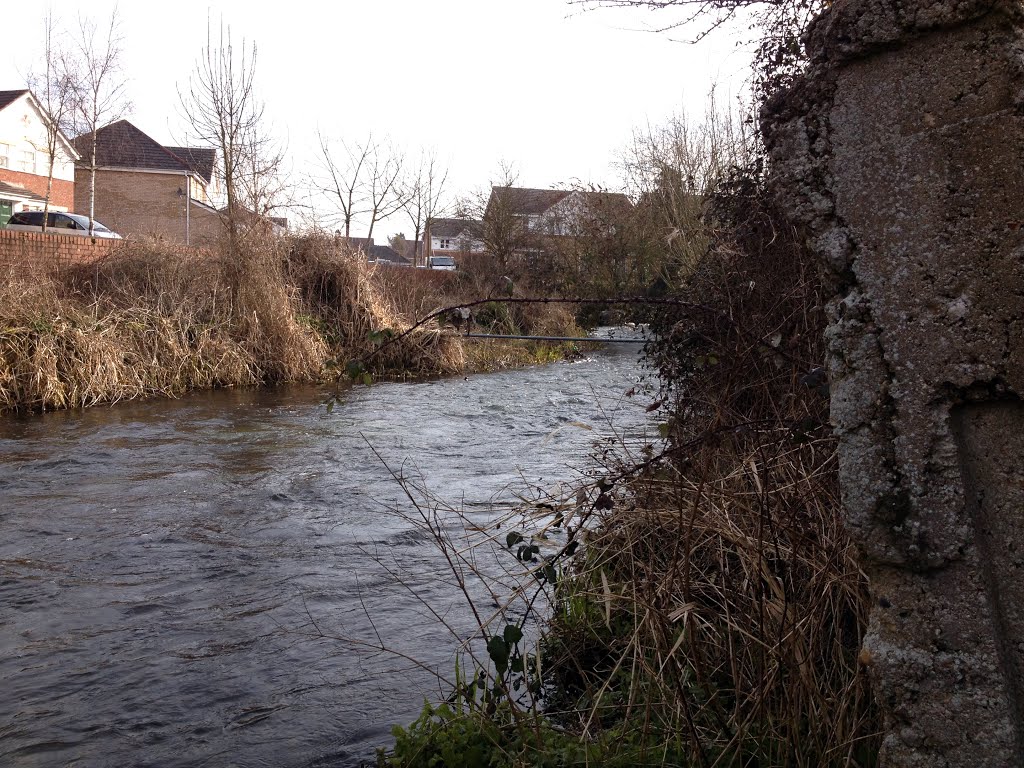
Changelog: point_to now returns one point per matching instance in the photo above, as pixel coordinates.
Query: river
(201, 582)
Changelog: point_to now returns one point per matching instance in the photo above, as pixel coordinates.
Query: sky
(549, 88)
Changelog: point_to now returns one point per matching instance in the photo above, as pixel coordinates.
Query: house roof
(9, 97)
(607, 203)
(200, 159)
(525, 201)
(386, 253)
(16, 190)
(122, 145)
(453, 227)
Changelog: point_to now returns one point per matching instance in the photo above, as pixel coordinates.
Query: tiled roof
(200, 159)
(8, 97)
(122, 145)
(528, 202)
(19, 191)
(454, 227)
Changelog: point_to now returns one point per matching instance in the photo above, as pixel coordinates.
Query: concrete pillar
(902, 155)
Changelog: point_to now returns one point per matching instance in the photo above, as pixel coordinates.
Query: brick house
(24, 158)
(144, 189)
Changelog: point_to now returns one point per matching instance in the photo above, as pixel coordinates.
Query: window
(445, 244)
(5, 153)
(27, 161)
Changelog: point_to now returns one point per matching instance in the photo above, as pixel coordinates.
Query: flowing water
(202, 582)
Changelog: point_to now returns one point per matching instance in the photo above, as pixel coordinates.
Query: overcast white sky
(546, 86)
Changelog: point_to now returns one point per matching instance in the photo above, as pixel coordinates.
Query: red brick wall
(62, 193)
(30, 251)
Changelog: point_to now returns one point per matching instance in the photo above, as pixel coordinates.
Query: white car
(58, 224)
(442, 262)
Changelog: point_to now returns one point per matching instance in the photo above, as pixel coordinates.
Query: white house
(447, 237)
(24, 159)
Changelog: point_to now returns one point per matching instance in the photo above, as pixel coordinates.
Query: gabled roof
(454, 227)
(122, 145)
(9, 97)
(599, 202)
(200, 159)
(524, 201)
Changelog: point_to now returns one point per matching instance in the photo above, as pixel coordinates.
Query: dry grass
(156, 319)
(719, 597)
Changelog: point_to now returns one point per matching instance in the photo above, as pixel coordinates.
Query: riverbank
(700, 602)
(159, 320)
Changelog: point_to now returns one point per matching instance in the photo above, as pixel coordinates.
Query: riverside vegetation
(700, 602)
(157, 319)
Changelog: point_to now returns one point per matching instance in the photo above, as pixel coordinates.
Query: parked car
(58, 224)
(442, 262)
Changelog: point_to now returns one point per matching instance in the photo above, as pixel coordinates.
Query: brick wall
(135, 204)
(30, 251)
(138, 204)
(62, 193)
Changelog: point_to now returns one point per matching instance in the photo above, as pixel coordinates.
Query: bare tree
(344, 178)
(385, 193)
(54, 90)
(505, 231)
(364, 180)
(224, 111)
(422, 195)
(99, 93)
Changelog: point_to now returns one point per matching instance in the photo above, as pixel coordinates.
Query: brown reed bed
(154, 319)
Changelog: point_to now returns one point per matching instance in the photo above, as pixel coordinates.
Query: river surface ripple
(191, 582)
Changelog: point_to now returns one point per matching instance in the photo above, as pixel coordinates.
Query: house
(452, 237)
(556, 212)
(24, 159)
(533, 225)
(145, 189)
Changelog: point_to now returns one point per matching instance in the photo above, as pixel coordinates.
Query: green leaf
(512, 634)
(498, 650)
(663, 429)
(354, 369)
(367, 379)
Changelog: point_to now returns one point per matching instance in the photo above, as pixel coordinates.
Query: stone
(901, 153)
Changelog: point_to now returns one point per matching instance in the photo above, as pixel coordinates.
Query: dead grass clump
(267, 316)
(357, 313)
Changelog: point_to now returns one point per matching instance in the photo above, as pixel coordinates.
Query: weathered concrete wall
(902, 154)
